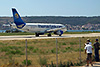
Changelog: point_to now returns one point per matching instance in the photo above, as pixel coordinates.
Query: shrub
(63, 43)
(15, 52)
(69, 48)
(72, 43)
(42, 61)
(68, 65)
(53, 50)
(13, 47)
(4, 49)
(35, 50)
(30, 47)
(28, 62)
(71, 64)
(18, 43)
(79, 49)
(2, 43)
(42, 51)
(63, 51)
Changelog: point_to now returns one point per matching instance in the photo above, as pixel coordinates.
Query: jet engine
(59, 32)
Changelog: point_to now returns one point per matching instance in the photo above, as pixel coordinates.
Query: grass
(68, 50)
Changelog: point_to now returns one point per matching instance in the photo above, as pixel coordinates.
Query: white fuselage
(41, 27)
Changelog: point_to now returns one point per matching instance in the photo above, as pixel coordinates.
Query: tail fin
(17, 19)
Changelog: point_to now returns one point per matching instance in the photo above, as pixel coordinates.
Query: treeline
(72, 20)
(64, 20)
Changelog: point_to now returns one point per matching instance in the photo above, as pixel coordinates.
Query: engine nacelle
(59, 32)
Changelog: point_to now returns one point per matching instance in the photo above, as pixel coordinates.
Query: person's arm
(99, 46)
(92, 48)
(93, 44)
(84, 44)
(85, 51)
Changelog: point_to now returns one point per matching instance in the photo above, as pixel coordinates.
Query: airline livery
(37, 28)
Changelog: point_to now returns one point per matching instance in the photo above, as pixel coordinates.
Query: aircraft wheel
(59, 34)
(49, 35)
(37, 35)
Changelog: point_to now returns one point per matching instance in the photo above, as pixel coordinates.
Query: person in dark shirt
(96, 50)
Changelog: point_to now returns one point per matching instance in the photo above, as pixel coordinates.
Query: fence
(43, 52)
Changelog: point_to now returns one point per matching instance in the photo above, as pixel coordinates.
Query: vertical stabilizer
(17, 19)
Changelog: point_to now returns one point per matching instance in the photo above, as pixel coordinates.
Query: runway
(23, 37)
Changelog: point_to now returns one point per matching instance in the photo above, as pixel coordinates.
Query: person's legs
(97, 59)
(91, 62)
(90, 57)
(96, 55)
(87, 62)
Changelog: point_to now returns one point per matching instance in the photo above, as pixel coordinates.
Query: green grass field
(39, 50)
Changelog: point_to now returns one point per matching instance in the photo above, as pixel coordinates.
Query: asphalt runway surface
(23, 37)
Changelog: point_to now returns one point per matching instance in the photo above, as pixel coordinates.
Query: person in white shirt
(88, 41)
(88, 49)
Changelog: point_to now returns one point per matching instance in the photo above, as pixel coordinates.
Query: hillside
(56, 19)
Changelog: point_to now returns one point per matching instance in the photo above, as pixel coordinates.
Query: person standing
(88, 49)
(96, 50)
(88, 41)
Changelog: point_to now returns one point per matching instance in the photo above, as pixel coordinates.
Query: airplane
(37, 28)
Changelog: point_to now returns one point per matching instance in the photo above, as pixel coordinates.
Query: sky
(51, 7)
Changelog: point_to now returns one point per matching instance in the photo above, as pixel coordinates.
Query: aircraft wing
(55, 29)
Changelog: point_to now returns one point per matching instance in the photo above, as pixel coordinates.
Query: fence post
(98, 37)
(26, 53)
(56, 53)
(80, 48)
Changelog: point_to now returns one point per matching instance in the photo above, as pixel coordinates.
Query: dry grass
(68, 50)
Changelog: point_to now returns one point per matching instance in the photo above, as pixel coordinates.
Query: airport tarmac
(23, 37)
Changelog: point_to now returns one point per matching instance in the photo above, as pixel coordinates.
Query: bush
(68, 65)
(69, 48)
(2, 43)
(28, 62)
(13, 47)
(79, 50)
(53, 50)
(63, 51)
(4, 49)
(15, 52)
(72, 43)
(35, 50)
(18, 43)
(42, 61)
(64, 44)
(30, 47)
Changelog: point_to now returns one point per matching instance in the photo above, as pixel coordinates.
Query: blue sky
(51, 7)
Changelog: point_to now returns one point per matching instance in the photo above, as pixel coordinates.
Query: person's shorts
(89, 56)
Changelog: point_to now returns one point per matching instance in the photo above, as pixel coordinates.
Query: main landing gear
(49, 35)
(60, 34)
(37, 35)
